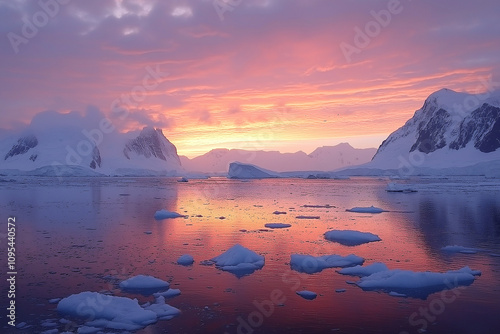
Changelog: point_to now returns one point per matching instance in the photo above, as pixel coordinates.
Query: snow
(165, 214)
(239, 260)
(312, 264)
(111, 312)
(370, 209)
(144, 283)
(351, 237)
(306, 294)
(460, 249)
(185, 260)
(417, 284)
(277, 225)
(361, 271)
(401, 188)
(163, 311)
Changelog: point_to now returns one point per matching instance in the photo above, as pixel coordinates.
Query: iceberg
(239, 260)
(417, 284)
(309, 295)
(361, 271)
(238, 170)
(165, 214)
(185, 260)
(277, 225)
(313, 264)
(350, 237)
(369, 209)
(143, 284)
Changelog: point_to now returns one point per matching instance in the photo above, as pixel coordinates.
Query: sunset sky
(256, 74)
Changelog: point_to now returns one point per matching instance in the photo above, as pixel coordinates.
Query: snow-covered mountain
(69, 144)
(451, 130)
(324, 158)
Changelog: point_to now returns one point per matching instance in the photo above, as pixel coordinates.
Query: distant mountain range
(324, 158)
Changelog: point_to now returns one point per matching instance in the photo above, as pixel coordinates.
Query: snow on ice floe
(306, 294)
(351, 237)
(185, 260)
(400, 188)
(143, 284)
(460, 249)
(313, 264)
(277, 225)
(239, 260)
(164, 214)
(170, 293)
(417, 284)
(361, 271)
(368, 209)
(113, 312)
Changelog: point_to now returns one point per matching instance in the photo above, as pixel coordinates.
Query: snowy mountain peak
(151, 142)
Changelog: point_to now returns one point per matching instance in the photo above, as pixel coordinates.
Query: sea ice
(107, 311)
(312, 264)
(350, 237)
(364, 271)
(309, 295)
(239, 260)
(369, 209)
(185, 260)
(417, 284)
(400, 188)
(277, 225)
(163, 311)
(170, 293)
(164, 214)
(459, 249)
(146, 285)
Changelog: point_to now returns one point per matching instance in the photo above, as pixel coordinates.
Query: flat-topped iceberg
(351, 237)
(277, 225)
(143, 284)
(417, 284)
(165, 214)
(312, 264)
(239, 260)
(368, 209)
(361, 271)
(112, 312)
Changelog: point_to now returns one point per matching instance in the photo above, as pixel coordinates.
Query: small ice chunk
(370, 209)
(170, 293)
(340, 290)
(185, 260)
(144, 284)
(361, 271)
(279, 213)
(350, 237)
(310, 264)
(459, 249)
(400, 188)
(417, 284)
(164, 214)
(306, 294)
(54, 300)
(162, 310)
(307, 217)
(277, 225)
(148, 232)
(239, 260)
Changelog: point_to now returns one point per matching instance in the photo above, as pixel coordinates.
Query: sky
(284, 75)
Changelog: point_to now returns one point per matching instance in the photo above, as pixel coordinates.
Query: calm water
(87, 234)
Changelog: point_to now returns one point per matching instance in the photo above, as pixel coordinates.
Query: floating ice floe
(143, 284)
(309, 295)
(164, 214)
(417, 284)
(400, 188)
(183, 179)
(361, 271)
(239, 260)
(279, 213)
(307, 217)
(368, 209)
(351, 237)
(170, 293)
(326, 206)
(313, 264)
(460, 249)
(112, 312)
(277, 225)
(185, 260)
